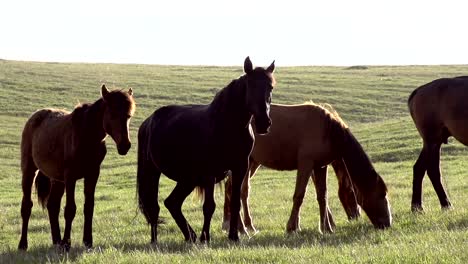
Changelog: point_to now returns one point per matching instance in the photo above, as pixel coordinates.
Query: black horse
(184, 141)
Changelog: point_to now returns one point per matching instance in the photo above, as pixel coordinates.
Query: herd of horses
(198, 146)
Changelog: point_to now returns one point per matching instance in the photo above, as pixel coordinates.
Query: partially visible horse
(64, 147)
(307, 138)
(195, 145)
(439, 110)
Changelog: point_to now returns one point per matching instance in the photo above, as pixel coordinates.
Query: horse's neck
(359, 166)
(229, 109)
(88, 123)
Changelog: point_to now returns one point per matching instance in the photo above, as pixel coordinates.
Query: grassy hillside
(372, 101)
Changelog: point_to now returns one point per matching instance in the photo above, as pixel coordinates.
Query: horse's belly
(50, 168)
(49, 160)
(275, 159)
(459, 130)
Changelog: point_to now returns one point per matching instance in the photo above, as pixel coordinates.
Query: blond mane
(329, 111)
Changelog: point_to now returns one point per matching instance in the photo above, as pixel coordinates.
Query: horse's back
(178, 139)
(43, 140)
(175, 118)
(439, 110)
(298, 132)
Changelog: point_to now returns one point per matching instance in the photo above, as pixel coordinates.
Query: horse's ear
(271, 68)
(104, 91)
(248, 67)
(130, 91)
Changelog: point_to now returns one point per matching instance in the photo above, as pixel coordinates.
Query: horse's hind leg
(174, 204)
(29, 171)
(419, 169)
(433, 171)
(326, 219)
(53, 207)
(303, 174)
(245, 192)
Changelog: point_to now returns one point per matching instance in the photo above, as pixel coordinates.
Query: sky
(209, 32)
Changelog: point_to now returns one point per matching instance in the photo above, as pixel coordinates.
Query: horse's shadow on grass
(41, 254)
(351, 233)
(305, 238)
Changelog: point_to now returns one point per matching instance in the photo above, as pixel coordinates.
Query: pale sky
(209, 32)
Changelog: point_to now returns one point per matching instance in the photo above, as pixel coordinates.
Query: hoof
(88, 245)
(225, 226)
(327, 230)
(447, 207)
(205, 238)
(234, 237)
(192, 238)
(23, 246)
(252, 230)
(417, 208)
(292, 229)
(65, 246)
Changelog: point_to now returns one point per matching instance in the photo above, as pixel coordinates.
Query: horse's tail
(200, 193)
(147, 177)
(410, 99)
(42, 184)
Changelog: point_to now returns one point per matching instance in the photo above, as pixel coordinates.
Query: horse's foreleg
(433, 171)
(238, 175)
(29, 171)
(174, 204)
(53, 207)
(419, 169)
(88, 209)
(208, 209)
(303, 174)
(320, 180)
(70, 211)
(245, 192)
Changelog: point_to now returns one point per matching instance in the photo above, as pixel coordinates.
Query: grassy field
(371, 100)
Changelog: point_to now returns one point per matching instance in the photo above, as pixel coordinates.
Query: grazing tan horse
(309, 137)
(439, 110)
(63, 147)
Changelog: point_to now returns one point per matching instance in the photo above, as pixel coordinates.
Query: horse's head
(260, 84)
(376, 205)
(119, 108)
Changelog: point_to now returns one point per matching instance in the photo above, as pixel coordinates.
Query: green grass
(372, 101)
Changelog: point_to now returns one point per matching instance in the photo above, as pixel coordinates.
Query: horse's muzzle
(123, 148)
(383, 222)
(262, 126)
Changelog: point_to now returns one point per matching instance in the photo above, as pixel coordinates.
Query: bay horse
(184, 141)
(63, 147)
(308, 138)
(439, 111)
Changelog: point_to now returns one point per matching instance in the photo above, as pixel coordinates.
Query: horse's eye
(129, 116)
